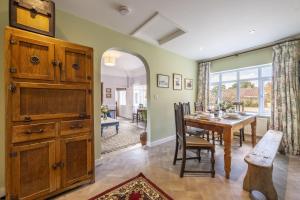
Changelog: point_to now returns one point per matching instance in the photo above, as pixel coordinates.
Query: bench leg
(259, 178)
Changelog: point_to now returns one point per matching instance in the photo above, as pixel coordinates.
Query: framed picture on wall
(162, 81)
(108, 96)
(188, 84)
(177, 82)
(108, 90)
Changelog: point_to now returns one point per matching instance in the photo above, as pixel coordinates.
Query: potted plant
(143, 135)
(104, 110)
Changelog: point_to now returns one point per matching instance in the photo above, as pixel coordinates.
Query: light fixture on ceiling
(109, 60)
(124, 10)
(252, 31)
(201, 48)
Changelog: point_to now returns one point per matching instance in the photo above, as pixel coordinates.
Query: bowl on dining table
(204, 115)
(233, 115)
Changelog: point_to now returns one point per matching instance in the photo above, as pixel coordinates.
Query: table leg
(117, 128)
(253, 133)
(227, 151)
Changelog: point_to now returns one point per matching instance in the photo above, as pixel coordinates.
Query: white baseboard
(161, 141)
(98, 162)
(2, 192)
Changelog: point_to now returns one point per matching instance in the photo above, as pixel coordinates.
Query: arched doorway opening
(125, 99)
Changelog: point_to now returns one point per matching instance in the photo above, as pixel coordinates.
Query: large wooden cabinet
(49, 109)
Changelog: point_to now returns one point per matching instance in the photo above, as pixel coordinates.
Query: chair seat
(192, 141)
(194, 131)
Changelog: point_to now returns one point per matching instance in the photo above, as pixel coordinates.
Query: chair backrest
(198, 106)
(238, 105)
(186, 108)
(179, 122)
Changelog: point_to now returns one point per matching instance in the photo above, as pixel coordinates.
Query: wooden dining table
(225, 126)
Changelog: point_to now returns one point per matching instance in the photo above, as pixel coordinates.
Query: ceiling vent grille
(158, 30)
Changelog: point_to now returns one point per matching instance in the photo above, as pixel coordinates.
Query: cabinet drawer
(75, 126)
(31, 132)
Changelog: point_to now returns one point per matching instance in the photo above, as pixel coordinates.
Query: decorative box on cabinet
(33, 15)
(49, 109)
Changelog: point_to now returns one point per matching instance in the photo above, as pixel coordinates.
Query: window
(140, 95)
(249, 95)
(251, 85)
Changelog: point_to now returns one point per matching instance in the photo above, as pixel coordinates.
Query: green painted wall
(74, 29)
(258, 57)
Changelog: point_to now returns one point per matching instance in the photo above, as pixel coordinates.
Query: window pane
(229, 92)
(213, 94)
(229, 76)
(140, 95)
(249, 95)
(249, 73)
(214, 78)
(267, 96)
(266, 71)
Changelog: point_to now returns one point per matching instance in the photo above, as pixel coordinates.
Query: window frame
(260, 79)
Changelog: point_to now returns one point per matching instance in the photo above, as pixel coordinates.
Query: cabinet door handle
(79, 126)
(34, 131)
(82, 115)
(60, 164)
(76, 66)
(27, 119)
(54, 166)
(35, 60)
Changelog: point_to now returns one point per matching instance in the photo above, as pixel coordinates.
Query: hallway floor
(129, 134)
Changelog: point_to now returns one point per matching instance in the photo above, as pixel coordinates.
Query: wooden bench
(260, 165)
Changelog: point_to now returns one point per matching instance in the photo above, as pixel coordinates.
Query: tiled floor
(156, 164)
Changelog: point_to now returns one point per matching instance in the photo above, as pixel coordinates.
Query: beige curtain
(203, 84)
(285, 114)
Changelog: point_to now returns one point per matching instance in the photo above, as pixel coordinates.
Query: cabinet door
(36, 101)
(31, 58)
(32, 171)
(76, 63)
(76, 154)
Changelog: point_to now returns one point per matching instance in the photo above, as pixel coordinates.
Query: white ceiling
(214, 27)
(127, 65)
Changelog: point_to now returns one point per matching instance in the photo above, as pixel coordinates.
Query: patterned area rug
(137, 188)
(129, 134)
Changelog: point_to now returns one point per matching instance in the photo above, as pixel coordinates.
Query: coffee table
(109, 122)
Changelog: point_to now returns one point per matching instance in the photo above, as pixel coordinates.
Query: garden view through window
(250, 85)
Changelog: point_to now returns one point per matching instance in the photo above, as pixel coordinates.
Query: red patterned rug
(136, 188)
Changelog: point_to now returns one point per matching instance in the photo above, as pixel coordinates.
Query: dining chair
(198, 106)
(193, 130)
(239, 106)
(190, 143)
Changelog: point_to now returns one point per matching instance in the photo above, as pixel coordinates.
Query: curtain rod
(290, 39)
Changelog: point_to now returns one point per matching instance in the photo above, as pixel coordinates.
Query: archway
(125, 96)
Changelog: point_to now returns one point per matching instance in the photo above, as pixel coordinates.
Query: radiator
(261, 126)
